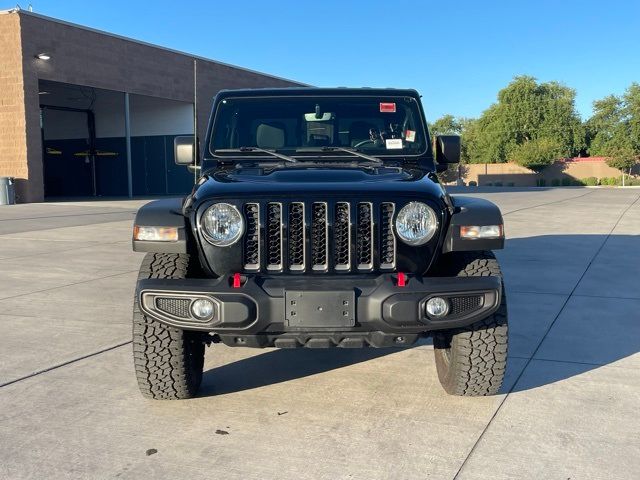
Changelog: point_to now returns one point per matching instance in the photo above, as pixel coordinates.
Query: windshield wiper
(257, 149)
(355, 152)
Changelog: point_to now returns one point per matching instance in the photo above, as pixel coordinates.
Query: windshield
(299, 125)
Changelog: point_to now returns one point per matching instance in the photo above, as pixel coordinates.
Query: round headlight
(416, 223)
(222, 224)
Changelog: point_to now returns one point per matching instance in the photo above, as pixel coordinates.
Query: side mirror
(183, 149)
(447, 148)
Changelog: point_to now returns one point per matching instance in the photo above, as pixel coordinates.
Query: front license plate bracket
(320, 309)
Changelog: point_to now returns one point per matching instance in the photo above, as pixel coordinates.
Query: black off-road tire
(471, 361)
(168, 361)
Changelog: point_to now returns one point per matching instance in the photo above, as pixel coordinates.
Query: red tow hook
(402, 280)
(237, 281)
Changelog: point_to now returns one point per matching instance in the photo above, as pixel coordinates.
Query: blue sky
(457, 54)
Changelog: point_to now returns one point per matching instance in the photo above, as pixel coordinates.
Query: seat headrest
(270, 135)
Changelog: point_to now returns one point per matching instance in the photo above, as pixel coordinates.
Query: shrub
(632, 181)
(577, 183)
(511, 184)
(541, 182)
(591, 181)
(473, 184)
(607, 181)
(497, 184)
(555, 182)
(488, 184)
(566, 181)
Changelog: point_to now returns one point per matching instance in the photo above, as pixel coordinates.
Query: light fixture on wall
(43, 56)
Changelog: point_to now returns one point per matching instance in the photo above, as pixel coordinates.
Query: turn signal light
(155, 234)
(481, 231)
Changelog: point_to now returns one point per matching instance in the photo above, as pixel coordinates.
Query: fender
(162, 213)
(472, 211)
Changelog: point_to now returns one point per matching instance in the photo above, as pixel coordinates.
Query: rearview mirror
(323, 117)
(183, 149)
(447, 148)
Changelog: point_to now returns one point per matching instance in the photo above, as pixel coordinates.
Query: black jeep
(318, 221)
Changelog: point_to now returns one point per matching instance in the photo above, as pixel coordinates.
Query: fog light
(437, 307)
(202, 309)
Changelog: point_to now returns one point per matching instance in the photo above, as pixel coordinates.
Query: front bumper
(292, 311)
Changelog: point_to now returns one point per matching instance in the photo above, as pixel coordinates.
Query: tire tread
(168, 361)
(478, 353)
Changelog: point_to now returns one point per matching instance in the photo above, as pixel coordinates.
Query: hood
(244, 183)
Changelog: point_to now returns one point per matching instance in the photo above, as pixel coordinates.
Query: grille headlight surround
(416, 223)
(222, 224)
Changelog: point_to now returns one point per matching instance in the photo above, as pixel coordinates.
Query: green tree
(614, 129)
(446, 125)
(623, 158)
(604, 128)
(469, 134)
(527, 111)
(536, 154)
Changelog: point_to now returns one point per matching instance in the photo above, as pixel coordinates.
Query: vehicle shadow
(596, 326)
(277, 366)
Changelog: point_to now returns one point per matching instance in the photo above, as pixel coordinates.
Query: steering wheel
(364, 142)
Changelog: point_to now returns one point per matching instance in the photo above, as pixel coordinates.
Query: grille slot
(178, 307)
(274, 236)
(319, 236)
(462, 305)
(296, 236)
(342, 236)
(387, 237)
(252, 237)
(364, 239)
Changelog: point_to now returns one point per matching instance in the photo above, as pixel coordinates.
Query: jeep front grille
(252, 236)
(319, 236)
(296, 236)
(342, 236)
(364, 239)
(387, 237)
(274, 237)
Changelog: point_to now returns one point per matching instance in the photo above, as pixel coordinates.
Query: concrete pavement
(69, 405)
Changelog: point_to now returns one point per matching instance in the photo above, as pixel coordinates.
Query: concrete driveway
(69, 405)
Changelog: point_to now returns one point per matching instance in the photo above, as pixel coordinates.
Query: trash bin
(7, 191)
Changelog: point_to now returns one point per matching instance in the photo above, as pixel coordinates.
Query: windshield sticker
(410, 136)
(393, 143)
(387, 107)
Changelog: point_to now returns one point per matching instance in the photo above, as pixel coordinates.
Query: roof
(18, 10)
(322, 91)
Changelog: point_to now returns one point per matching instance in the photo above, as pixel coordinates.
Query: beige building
(88, 113)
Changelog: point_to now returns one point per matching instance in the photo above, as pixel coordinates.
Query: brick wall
(484, 173)
(90, 58)
(13, 134)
